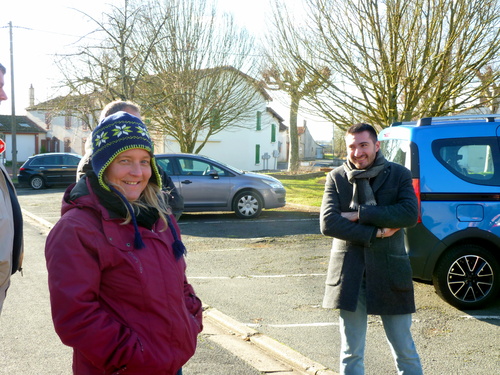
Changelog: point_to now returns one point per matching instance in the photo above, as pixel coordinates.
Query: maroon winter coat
(122, 310)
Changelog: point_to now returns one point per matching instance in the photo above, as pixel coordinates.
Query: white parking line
(254, 276)
(481, 317)
(36, 218)
(244, 221)
(297, 325)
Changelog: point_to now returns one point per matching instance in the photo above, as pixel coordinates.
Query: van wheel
(37, 182)
(247, 205)
(467, 277)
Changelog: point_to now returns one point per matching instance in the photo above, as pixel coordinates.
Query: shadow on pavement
(273, 223)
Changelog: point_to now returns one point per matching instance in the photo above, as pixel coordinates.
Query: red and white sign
(2, 145)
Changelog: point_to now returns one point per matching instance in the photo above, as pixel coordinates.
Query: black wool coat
(357, 253)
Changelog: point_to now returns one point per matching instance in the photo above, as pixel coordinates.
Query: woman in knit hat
(117, 282)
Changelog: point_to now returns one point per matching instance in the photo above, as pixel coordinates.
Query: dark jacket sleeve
(397, 205)
(175, 200)
(336, 199)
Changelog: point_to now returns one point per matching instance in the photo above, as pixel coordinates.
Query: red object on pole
(2, 145)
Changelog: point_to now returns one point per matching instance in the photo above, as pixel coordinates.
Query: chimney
(32, 96)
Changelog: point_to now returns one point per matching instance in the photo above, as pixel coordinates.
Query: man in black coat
(366, 202)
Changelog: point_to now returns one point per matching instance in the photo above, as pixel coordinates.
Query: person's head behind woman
(120, 105)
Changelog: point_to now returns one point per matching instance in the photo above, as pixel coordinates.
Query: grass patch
(308, 191)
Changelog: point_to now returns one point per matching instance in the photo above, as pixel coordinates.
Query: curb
(40, 220)
(266, 343)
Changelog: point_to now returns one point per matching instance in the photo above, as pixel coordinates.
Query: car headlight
(273, 184)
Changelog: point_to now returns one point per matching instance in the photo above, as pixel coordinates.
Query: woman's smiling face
(130, 171)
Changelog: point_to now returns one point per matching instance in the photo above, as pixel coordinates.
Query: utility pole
(13, 101)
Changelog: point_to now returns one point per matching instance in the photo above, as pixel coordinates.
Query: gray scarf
(359, 178)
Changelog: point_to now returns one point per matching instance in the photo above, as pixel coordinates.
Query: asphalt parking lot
(268, 275)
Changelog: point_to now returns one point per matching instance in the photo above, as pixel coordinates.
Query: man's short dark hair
(2, 69)
(362, 127)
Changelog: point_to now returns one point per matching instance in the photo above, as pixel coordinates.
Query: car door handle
(186, 182)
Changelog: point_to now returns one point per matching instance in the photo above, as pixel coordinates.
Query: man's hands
(386, 232)
(381, 233)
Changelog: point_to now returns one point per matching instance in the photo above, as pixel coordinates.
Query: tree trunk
(293, 164)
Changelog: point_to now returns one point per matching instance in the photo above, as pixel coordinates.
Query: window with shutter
(257, 154)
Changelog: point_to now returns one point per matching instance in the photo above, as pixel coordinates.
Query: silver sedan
(209, 185)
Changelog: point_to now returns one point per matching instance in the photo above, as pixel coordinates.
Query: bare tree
(196, 87)
(112, 64)
(179, 59)
(397, 60)
(490, 94)
(288, 71)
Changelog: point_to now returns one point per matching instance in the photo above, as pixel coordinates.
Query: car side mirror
(213, 173)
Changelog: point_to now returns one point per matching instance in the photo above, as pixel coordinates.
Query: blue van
(455, 163)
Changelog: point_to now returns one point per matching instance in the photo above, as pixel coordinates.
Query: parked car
(45, 170)
(209, 185)
(455, 163)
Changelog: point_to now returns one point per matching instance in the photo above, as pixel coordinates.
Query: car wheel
(37, 182)
(247, 205)
(467, 277)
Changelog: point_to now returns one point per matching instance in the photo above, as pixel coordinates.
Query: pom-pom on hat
(116, 133)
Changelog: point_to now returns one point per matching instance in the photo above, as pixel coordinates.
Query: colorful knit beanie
(117, 133)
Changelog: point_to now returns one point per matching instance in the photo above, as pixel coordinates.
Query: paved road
(29, 345)
(268, 275)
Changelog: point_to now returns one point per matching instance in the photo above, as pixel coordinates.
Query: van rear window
(471, 159)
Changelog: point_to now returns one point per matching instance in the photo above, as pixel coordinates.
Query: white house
(28, 137)
(65, 132)
(309, 149)
(256, 140)
(251, 148)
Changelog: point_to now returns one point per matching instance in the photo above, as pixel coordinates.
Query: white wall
(25, 147)
(307, 146)
(237, 146)
(57, 129)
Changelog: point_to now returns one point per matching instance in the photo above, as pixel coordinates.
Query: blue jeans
(179, 372)
(353, 327)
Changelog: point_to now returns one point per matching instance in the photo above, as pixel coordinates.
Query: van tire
(467, 277)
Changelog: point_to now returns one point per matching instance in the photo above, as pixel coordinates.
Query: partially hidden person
(11, 222)
(116, 269)
(366, 203)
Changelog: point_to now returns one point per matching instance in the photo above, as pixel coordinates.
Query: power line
(44, 31)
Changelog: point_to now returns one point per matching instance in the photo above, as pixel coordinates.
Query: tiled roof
(23, 125)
